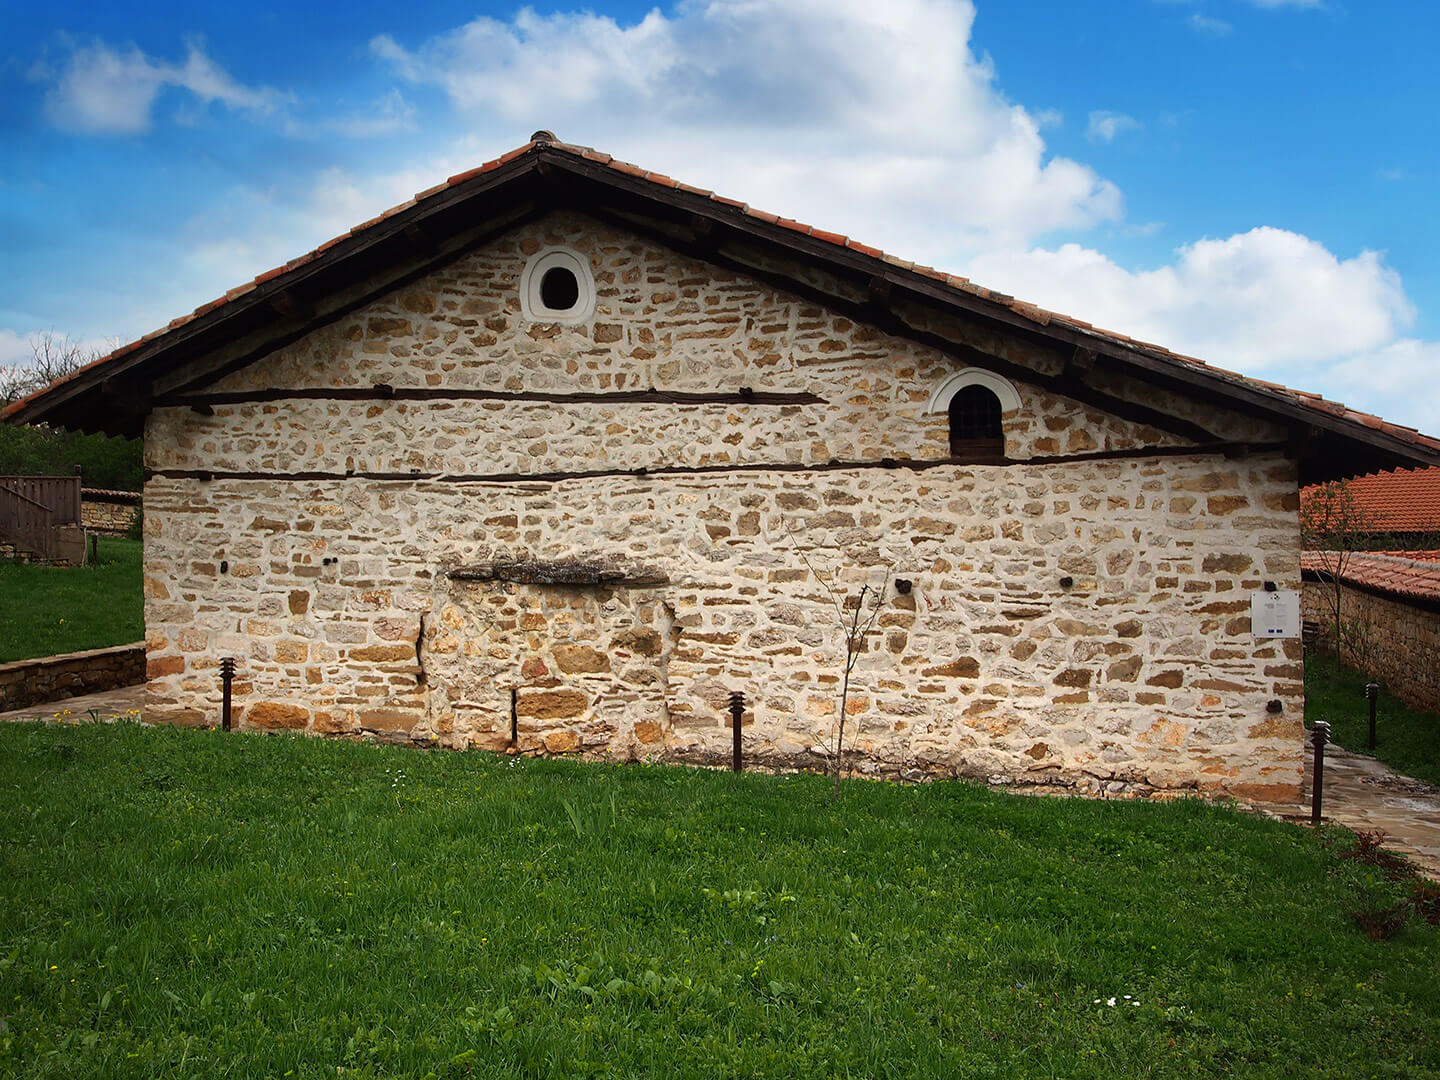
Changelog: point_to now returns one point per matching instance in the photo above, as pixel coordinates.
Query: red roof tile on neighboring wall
(1405, 500)
(1411, 573)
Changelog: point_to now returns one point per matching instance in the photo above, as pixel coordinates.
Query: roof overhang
(114, 394)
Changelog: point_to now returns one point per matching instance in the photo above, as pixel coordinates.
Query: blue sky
(1250, 181)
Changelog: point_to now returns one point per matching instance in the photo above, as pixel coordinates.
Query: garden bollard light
(737, 710)
(1318, 740)
(227, 674)
(1372, 693)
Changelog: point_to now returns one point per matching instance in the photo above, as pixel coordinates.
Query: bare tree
(1334, 525)
(52, 356)
(856, 616)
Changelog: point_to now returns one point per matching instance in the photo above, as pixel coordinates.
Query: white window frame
(998, 385)
(551, 258)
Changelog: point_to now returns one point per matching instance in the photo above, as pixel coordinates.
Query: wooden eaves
(115, 393)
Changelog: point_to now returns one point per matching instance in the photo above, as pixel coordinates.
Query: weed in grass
(1379, 920)
(1369, 849)
(1379, 912)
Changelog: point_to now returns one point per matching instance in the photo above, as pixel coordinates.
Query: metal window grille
(976, 434)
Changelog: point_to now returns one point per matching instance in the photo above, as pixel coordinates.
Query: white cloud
(1398, 377)
(385, 116)
(15, 349)
(1254, 302)
(112, 91)
(876, 120)
(1106, 126)
(1267, 302)
(1205, 24)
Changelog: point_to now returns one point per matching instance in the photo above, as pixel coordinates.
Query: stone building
(560, 453)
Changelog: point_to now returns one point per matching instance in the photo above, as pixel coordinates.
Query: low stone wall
(108, 513)
(1403, 639)
(53, 678)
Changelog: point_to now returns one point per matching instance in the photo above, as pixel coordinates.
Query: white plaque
(1275, 614)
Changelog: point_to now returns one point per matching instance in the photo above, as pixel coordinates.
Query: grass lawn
(51, 609)
(1406, 739)
(185, 902)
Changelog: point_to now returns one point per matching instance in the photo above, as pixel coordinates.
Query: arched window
(976, 401)
(975, 431)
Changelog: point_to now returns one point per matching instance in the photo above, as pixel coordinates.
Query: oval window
(559, 291)
(556, 286)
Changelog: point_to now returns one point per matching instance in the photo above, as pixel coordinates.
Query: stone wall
(1403, 639)
(53, 678)
(108, 513)
(1079, 625)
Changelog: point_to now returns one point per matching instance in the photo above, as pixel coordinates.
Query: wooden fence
(31, 507)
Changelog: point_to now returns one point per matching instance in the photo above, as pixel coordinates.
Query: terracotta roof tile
(1403, 500)
(519, 151)
(628, 169)
(460, 178)
(1414, 574)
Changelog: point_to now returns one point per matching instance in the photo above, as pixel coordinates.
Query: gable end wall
(1080, 626)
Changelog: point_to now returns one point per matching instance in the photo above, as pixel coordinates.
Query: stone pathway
(108, 705)
(1360, 792)
(1364, 794)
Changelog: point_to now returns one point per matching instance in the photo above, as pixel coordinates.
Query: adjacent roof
(1414, 575)
(1400, 501)
(109, 495)
(114, 393)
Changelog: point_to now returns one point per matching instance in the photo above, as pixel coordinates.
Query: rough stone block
(551, 704)
(276, 714)
(579, 659)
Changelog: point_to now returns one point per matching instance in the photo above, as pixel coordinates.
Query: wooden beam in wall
(386, 392)
(643, 472)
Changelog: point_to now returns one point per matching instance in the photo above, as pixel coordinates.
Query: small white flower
(1111, 1003)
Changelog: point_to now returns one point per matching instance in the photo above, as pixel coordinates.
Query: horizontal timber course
(249, 905)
